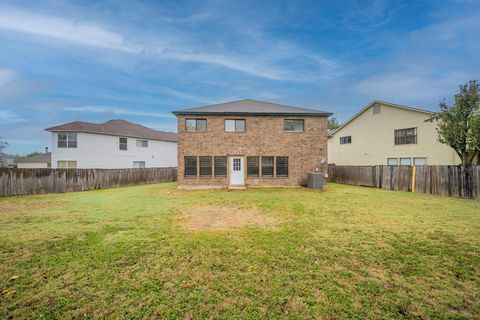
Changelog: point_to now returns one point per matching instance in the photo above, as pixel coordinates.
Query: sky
(62, 61)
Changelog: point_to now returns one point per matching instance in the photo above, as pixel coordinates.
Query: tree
(459, 122)
(333, 123)
(3, 144)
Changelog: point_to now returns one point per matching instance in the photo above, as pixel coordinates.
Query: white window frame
(390, 160)
(142, 143)
(232, 126)
(197, 129)
(403, 161)
(295, 127)
(416, 159)
(71, 140)
(138, 164)
(120, 143)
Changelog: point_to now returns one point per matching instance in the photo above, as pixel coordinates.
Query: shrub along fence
(15, 182)
(453, 181)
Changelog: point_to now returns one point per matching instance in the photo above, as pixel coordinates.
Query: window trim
(257, 175)
(396, 159)
(200, 167)
(215, 174)
(140, 162)
(122, 143)
(399, 139)
(142, 144)
(347, 138)
(425, 158)
(68, 139)
(277, 166)
(185, 167)
(273, 167)
(235, 125)
(400, 161)
(295, 131)
(196, 124)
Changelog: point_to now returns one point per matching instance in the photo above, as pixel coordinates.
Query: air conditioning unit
(316, 180)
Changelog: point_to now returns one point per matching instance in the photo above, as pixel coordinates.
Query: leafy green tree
(333, 123)
(459, 122)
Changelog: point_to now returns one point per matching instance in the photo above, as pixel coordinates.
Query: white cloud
(63, 29)
(10, 117)
(6, 76)
(118, 111)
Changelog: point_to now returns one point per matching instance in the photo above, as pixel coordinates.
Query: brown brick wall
(264, 136)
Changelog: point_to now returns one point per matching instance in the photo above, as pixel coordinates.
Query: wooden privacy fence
(453, 181)
(15, 182)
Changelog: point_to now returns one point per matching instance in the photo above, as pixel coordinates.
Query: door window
(236, 164)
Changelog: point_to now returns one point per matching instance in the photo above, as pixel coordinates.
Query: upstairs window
(253, 169)
(267, 166)
(196, 125)
(406, 136)
(142, 143)
(220, 166)
(67, 139)
(139, 164)
(293, 125)
(346, 140)
(282, 166)
(190, 167)
(122, 143)
(205, 166)
(235, 125)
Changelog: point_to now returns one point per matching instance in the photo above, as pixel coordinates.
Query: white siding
(102, 151)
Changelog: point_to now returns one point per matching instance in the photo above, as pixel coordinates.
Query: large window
(267, 166)
(139, 164)
(220, 166)
(282, 166)
(346, 140)
(406, 136)
(191, 167)
(198, 125)
(405, 161)
(67, 139)
(392, 161)
(419, 161)
(253, 167)
(205, 166)
(66, 164)
(142, 143)
(293, 125)
(122, 143)
(235, 125)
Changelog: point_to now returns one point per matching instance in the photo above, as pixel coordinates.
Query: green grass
(350, 252)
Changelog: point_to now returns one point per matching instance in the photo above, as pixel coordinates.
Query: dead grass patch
(217, 218)
(9, 207)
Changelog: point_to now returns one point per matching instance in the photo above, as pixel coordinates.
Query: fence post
(414, 171)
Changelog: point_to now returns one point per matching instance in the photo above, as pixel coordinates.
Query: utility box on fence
(316, 180)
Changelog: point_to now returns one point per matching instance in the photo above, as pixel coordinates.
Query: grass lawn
(154, 252)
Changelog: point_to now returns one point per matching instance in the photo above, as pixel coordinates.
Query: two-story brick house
(250, 143)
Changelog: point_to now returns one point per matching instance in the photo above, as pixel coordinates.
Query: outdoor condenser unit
(316, 180)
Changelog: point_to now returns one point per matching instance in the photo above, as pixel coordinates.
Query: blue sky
(62, 61)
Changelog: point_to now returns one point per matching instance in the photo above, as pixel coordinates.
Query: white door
(236, 171)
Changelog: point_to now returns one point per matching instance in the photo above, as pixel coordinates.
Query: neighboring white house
(40, 160)
(113, 144)
(6, 160)
(386, 133)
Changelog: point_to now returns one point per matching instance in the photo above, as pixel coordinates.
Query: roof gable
(116, 127)
(371, 104)
(251, 107)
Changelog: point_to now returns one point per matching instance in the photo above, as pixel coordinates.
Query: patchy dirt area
(25, 206)
(224, 218)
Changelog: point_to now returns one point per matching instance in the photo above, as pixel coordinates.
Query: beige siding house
(385, 133)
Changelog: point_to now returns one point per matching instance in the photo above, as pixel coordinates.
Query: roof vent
(376, 109)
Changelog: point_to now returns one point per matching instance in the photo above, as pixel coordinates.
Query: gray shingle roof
(251, 107)
(116, 127)
(37, 158)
